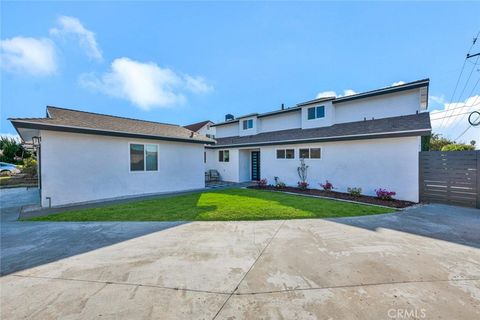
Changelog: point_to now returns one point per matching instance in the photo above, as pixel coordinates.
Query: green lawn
(228, 204)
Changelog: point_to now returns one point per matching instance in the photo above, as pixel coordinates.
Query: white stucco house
(369, 140)
(86, 156)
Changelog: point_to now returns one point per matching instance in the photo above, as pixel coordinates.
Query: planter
(343, 196)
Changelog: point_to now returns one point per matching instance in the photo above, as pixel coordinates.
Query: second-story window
(247, 124)
(316, 112)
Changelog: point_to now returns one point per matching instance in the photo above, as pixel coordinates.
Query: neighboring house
(87, 156)
(203, 128)
(369, 140)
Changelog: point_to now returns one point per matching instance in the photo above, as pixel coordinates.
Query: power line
(461, 72)
(455, 115)
(473, 103)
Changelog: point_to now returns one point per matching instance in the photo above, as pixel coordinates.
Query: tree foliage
(458, 147)
(11, 150)
(435, 142)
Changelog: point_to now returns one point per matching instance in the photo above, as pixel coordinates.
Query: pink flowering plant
(262, 183)
(303, 185)
(327, 186)
(384, 194)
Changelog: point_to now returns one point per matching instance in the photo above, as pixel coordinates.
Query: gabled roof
(367, 94)
(68, 120)
(197, 126)
(411, 125)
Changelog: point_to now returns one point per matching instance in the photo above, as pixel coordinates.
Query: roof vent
(229, 117)
(283, 106)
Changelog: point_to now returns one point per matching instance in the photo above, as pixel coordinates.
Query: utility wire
(461, 72)
(473, 103)
(458, 114)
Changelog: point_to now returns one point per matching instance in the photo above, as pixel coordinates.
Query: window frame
(310, 153)
(285, 153)
(144, 157)
(245, 124)
(315, 112)
(222, 152)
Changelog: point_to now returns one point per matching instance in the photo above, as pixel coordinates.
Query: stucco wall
(229, 171)
(282, 121)
(80, 167)
(369, 164)
(384, 106)
(227, 130)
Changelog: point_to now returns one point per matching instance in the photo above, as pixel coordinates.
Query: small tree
(302, 171)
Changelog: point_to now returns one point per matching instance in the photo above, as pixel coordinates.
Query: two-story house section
(369, 140)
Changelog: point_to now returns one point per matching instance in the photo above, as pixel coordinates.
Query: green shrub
(354, 191)
(30, 166)
(458, 147)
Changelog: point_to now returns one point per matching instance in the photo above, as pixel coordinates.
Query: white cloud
(73, 26)
(197, 84)
(144, 84)
(452, 119)
(439, 100)
(398, 83)
(28, 55)
(325, 94)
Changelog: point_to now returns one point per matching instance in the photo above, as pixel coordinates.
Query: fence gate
(451, 177)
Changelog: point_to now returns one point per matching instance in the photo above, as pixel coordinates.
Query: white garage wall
(81, 167)
(370, 164)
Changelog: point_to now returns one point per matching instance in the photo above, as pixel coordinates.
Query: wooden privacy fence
(451, 177)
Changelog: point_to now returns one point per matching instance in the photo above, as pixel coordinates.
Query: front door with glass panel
(255, 165)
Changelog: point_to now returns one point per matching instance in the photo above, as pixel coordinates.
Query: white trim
(167, 138)
(294, 152)
(310, 153)
(319, 139)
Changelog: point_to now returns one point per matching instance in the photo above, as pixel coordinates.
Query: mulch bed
(343, 196)
(20, 181)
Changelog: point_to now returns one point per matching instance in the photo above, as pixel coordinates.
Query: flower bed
(341, 195)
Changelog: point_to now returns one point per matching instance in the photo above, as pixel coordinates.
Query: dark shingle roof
(61, 119)
(197, 126)
(411, 125)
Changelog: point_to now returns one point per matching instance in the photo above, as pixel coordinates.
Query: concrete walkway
(423, 261)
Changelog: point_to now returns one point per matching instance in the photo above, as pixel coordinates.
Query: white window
(224, 156)
(247, 124)
(316, 112)
(143, 157)
(310, 153)
(285, 153)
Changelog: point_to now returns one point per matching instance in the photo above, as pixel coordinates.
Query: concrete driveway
(422, 263)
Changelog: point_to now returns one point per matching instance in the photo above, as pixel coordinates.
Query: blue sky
(187, 62)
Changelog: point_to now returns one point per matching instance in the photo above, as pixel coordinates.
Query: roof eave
(378, 135)
(17, 123)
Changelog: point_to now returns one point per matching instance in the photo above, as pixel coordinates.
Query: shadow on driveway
(29, 244)
(448, 223)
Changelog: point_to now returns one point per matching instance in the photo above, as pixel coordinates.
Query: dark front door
(255, 165)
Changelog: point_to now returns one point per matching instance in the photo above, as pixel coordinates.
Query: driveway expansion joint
(251, 267)
(123, 284)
